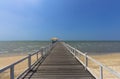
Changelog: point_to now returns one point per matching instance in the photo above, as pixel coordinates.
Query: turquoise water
(91, 47)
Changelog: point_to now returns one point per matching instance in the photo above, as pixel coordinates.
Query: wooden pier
(58, 61)
(59, 64)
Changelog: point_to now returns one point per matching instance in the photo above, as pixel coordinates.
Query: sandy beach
(110, 60)
(6, 60)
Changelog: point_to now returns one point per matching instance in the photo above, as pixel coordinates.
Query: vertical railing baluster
(42, 52)
(45, 50)
(12, 72)
(101, 72)
(37, 55)
(74, 52)
(29, 61)
(86, 61)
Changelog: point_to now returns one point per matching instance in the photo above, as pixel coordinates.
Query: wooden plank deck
(59, 64)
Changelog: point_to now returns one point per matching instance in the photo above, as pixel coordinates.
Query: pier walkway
(59, 64)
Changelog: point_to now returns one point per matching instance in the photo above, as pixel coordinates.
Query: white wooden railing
(42, 52)
(86, 60)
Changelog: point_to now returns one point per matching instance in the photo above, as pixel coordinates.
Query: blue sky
(65, 19)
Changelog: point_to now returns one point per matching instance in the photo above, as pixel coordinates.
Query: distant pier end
(54, 40)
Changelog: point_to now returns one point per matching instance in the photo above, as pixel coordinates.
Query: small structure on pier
(54, 39)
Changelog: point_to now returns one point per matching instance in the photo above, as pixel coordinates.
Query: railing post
(86, 61)
(71, 50)
(49, 48)
(37, 55)
(42, 53)
(74, 52)
(29, 61)
(12, 72)
(101, 72)
(45, 51)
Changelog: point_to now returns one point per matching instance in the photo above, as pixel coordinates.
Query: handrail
(101, 66)
(105, 67)
(7, 67)
(43, 51)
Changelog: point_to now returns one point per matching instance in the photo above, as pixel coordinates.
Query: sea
(90, 47)
(21, 47)
(96, 47)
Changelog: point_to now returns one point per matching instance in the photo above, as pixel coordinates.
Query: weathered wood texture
(59, 64)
